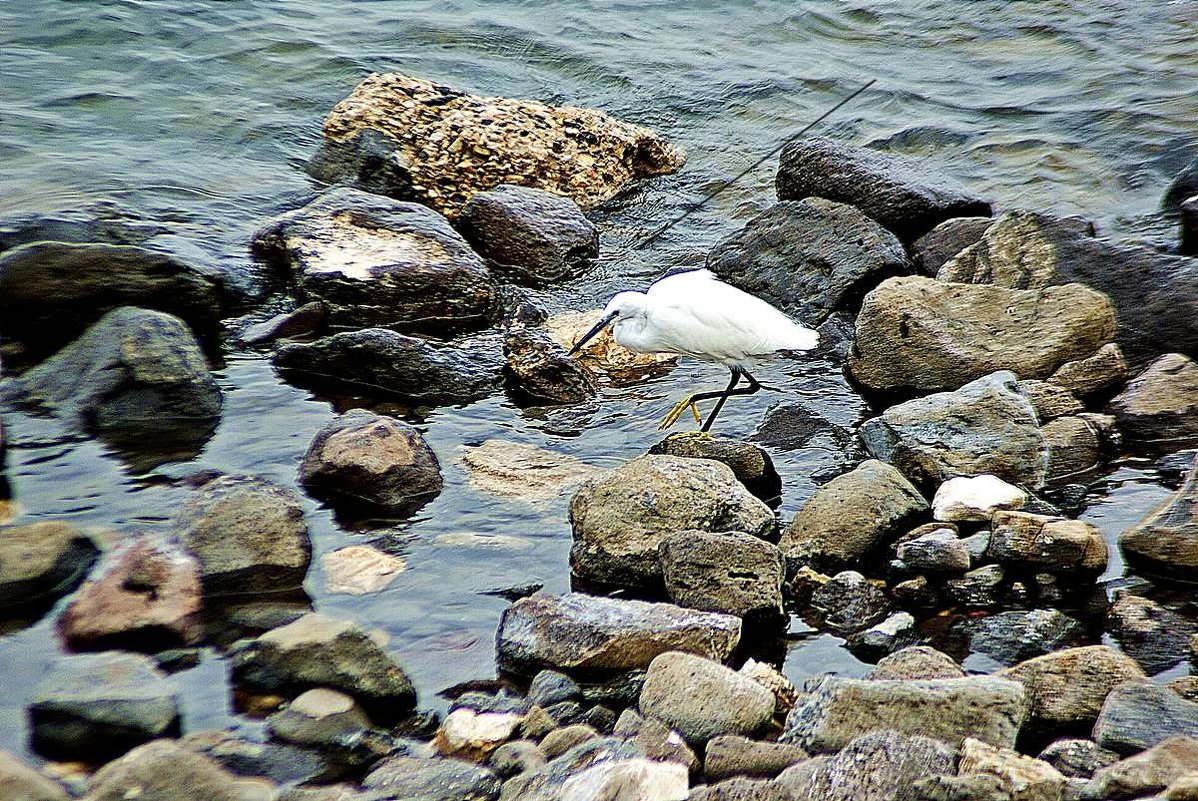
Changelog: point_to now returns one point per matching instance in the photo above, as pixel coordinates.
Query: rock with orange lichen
(417, 140)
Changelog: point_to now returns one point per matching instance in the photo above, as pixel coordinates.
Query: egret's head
(621, 307)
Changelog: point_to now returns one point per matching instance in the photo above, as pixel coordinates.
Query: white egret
(696, 314)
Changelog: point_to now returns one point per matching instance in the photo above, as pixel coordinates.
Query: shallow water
(200, 116)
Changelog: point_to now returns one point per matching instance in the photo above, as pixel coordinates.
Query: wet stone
(471, 735)
(849, 602)
(1138, 714)
(1150, 771)
(1102, 370)
(1011, 637)
(420, 779)
(1049, 400)
(879, 766)
(751, 464)
(41, 561)
(975, 498)
(307, 319)
(981, 588)
(1165, 542)
(701, 698)
(897, 631)
(946, 240)
(559, 741)
(280, 762)
(1156, 637)
(320, 717)
(1023, 776)
(939, 551)
(550, 686)
(165, 771)
(20, 782)
(1077, 758)
(542, 370)
(1024, 541)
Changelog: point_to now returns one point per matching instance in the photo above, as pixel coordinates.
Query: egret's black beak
(599, 326)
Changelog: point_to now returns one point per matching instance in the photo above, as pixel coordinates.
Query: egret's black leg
(751, 389)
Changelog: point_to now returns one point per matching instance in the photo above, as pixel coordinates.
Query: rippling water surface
(199, 116)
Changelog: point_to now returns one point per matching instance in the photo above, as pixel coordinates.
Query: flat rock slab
(577, 632)
(916, 335)
(41, 561)
(100, 705)
(809, 257)
(417, 140)
(1165, 542)
(880, 766)
(373, 261)
(902, 194)
(836, 710)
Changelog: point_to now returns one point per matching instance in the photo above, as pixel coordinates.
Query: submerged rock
(902, 194)
(165, 771)
(377, 262)
(975, 498)
(359, 569)
(516, 470)
(378, 361)
(307, 319)
(42, 561)
(366, 459)
(702, 699)
(620, 518)
(730, 572)
(946, 240)
(248, 534)
(530, 235)
(415, 139)
(50, 292)
(918, 335)
(542, 370)
(591, 633)
(134, 376)
(809, 257)
(751, 464)
(1165, 542)
(986, 426)
(882, 765)
(97, 706)
(1138, 714)
(1159, 407)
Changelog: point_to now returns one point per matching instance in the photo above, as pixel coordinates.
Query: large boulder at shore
(809, 257)
(851, 516)
(96, 706)
(835, 710)
(586, 633)
(374, 261)
(933, 249)
(730, 572)
(987, 426)
(1159, 407)
(529, 235)
(1165, 542)
(620, 518)
(1154, 295)
(907, 197)
(1139, 713)
(42, 561)
(418, 140)
(50, 292)
(248, 534)
(882, 765)
(702, 699)
(137, 377)
(381, 362)
(365, 459)
(320, 651)
(163, 770)
(917, 335)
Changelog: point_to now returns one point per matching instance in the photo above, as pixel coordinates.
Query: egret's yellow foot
(680, 407)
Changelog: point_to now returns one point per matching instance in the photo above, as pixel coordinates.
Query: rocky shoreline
(1004, 359)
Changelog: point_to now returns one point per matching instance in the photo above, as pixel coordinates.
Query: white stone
(471, 734)
(629, 780)
(975, 498)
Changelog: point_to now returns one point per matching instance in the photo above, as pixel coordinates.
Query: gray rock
(1165, 542)
(621, 517)
(1148, 772)
(164, 771)
(1153, 293)
(658, 741)
(20, 782)
(377, 262)
(559, 741)
(96, 706)
(516, 757)
(939, 551)
(751, 463)
(836, 710)
(1077, 758)
(1012, 637)
(702, 699)
(50, 292)
(248, 534)
(916, 662)
(41, 561)
(1066, 689)
(1159, 407)
(547, 783)
(381, 362)
(1104, 369)
(809, 257)
(981, 588)
(918, 335)
(277, 761)
(852, 515)
(728, 572)
(542, 370)
(970, 787)
(878, 766)
(307, 319)
(1074, 447)
(740, 789)
(332, 792)
(134, 376)
(530, 236)
(1138, 714)
(849, 602)
(362, 458)
(320, 651)
(587, 633)
(897, 631)
(946, 240)
(731, 755)
(319, 718)
(977, 544)
(986, 426)
(550, 687)
(631, 778)
(1038, 543)
(1156, 637)
(420, 779)
(902, 194)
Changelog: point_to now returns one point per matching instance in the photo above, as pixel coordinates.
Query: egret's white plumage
(696, 314)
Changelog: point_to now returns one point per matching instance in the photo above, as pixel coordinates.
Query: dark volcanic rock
(1165, 542)
(51, 291)
(1184, 185)
(809, 257)
(907, 197)
(1159, 407)
(751, 464)
(849, 602)
(1011, 637)
(373, 261)
(41, 561)
(730, 572)
(529, 235)
(381, 362)
(542, 370)
(933, 249)
(375, 461)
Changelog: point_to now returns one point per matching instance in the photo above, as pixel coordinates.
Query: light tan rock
(515, 470)
(1026, 778)
(359, 569)
(1067, 688)
(467, 734)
